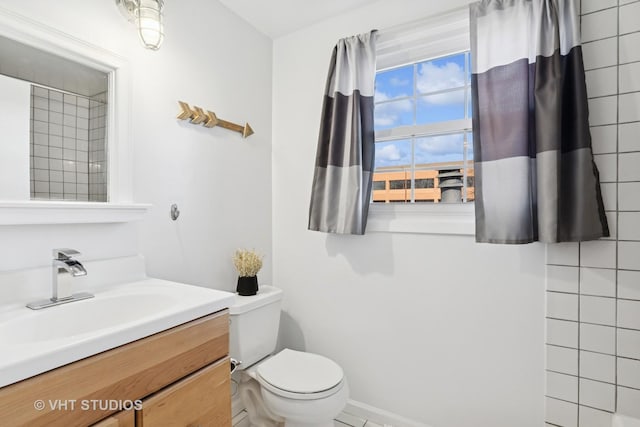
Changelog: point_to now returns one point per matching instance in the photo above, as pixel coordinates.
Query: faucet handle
(64, 253)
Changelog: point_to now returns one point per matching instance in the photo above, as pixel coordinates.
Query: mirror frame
(120, 207)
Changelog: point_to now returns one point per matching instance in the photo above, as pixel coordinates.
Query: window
(425, 182)
(378, 185)
(423, 128)
(423, 131)
(399, 184)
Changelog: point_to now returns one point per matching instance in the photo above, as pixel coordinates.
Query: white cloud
(439, 148)
(388, 153)
(396, 81)
(432, 78)
(390, 113)
(447, 98)
(380, 96)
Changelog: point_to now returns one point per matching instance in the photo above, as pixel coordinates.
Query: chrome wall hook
(175, 212)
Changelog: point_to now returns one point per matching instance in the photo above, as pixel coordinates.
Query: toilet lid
(300, 372)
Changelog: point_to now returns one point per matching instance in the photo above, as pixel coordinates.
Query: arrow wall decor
(197, 116)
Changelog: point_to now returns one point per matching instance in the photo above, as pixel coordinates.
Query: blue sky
(428, 77)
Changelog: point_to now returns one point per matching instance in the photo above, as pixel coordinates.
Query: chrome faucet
(64, 268)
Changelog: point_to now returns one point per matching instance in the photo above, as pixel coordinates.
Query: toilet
(296, 388)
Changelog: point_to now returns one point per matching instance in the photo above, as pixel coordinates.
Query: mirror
(53, 126)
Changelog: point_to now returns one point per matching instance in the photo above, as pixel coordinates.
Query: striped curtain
(534, 171)
(341, 190)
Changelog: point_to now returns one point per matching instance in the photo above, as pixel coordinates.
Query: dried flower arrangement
(247, 262)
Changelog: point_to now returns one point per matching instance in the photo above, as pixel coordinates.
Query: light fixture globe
(148, 17)
(149, 22)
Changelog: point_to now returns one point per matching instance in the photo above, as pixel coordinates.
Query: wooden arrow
(198, 116)
(186, 112)
(244, 130)
(210, 120)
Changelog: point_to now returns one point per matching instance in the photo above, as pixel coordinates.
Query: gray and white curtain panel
(344, 161)
(534, 171)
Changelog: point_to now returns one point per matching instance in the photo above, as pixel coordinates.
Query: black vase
(247, 286)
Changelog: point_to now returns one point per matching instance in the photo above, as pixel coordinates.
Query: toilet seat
(300, 375)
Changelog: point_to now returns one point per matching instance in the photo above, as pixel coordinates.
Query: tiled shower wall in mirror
(68, 146)
(593, 288)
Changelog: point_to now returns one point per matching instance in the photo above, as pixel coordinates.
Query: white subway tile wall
(629, 373)
(597, 366)
(603, 139)
(612, 218)
(596, 345)
(628, 343)
(597, 338)
(596, 394)
(629, 284)
(602, 53)
(599, 25)
(598, 281)
(561, 413)
(628, 399)
(609, 196)
(563, 333)
(61, 158)
(590, 417)
(562, 386)
(562, 360)
(562, 279)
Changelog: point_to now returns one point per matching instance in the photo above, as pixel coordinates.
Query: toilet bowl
(297, 388)
(304, 389)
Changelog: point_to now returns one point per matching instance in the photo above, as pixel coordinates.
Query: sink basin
(35, 341)
(91, 316)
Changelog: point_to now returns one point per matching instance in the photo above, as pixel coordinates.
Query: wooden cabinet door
(121, 419)
(203, 399)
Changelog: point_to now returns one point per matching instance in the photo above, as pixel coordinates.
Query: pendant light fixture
(147, 15)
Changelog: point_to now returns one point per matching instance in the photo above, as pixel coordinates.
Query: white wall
(438, 329)
(222, 183)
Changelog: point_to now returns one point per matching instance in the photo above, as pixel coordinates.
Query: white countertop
(35, 341)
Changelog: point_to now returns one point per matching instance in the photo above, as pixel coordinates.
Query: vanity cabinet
(181, 376)
(120, 419)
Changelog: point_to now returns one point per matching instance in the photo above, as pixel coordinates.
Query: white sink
(35, 341)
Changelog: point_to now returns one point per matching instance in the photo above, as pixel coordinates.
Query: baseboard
(379, 416)
(240, 420)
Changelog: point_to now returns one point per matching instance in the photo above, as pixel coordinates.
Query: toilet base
(266, 409)
(257, 412)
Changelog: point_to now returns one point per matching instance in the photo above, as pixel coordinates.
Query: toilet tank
(254, 323)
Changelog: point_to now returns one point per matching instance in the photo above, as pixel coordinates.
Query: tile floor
(348, 420)
(343, 420)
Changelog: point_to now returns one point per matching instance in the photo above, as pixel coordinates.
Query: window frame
(434, 37)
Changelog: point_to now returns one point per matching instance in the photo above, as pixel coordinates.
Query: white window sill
(422, 218)
(47, 212)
